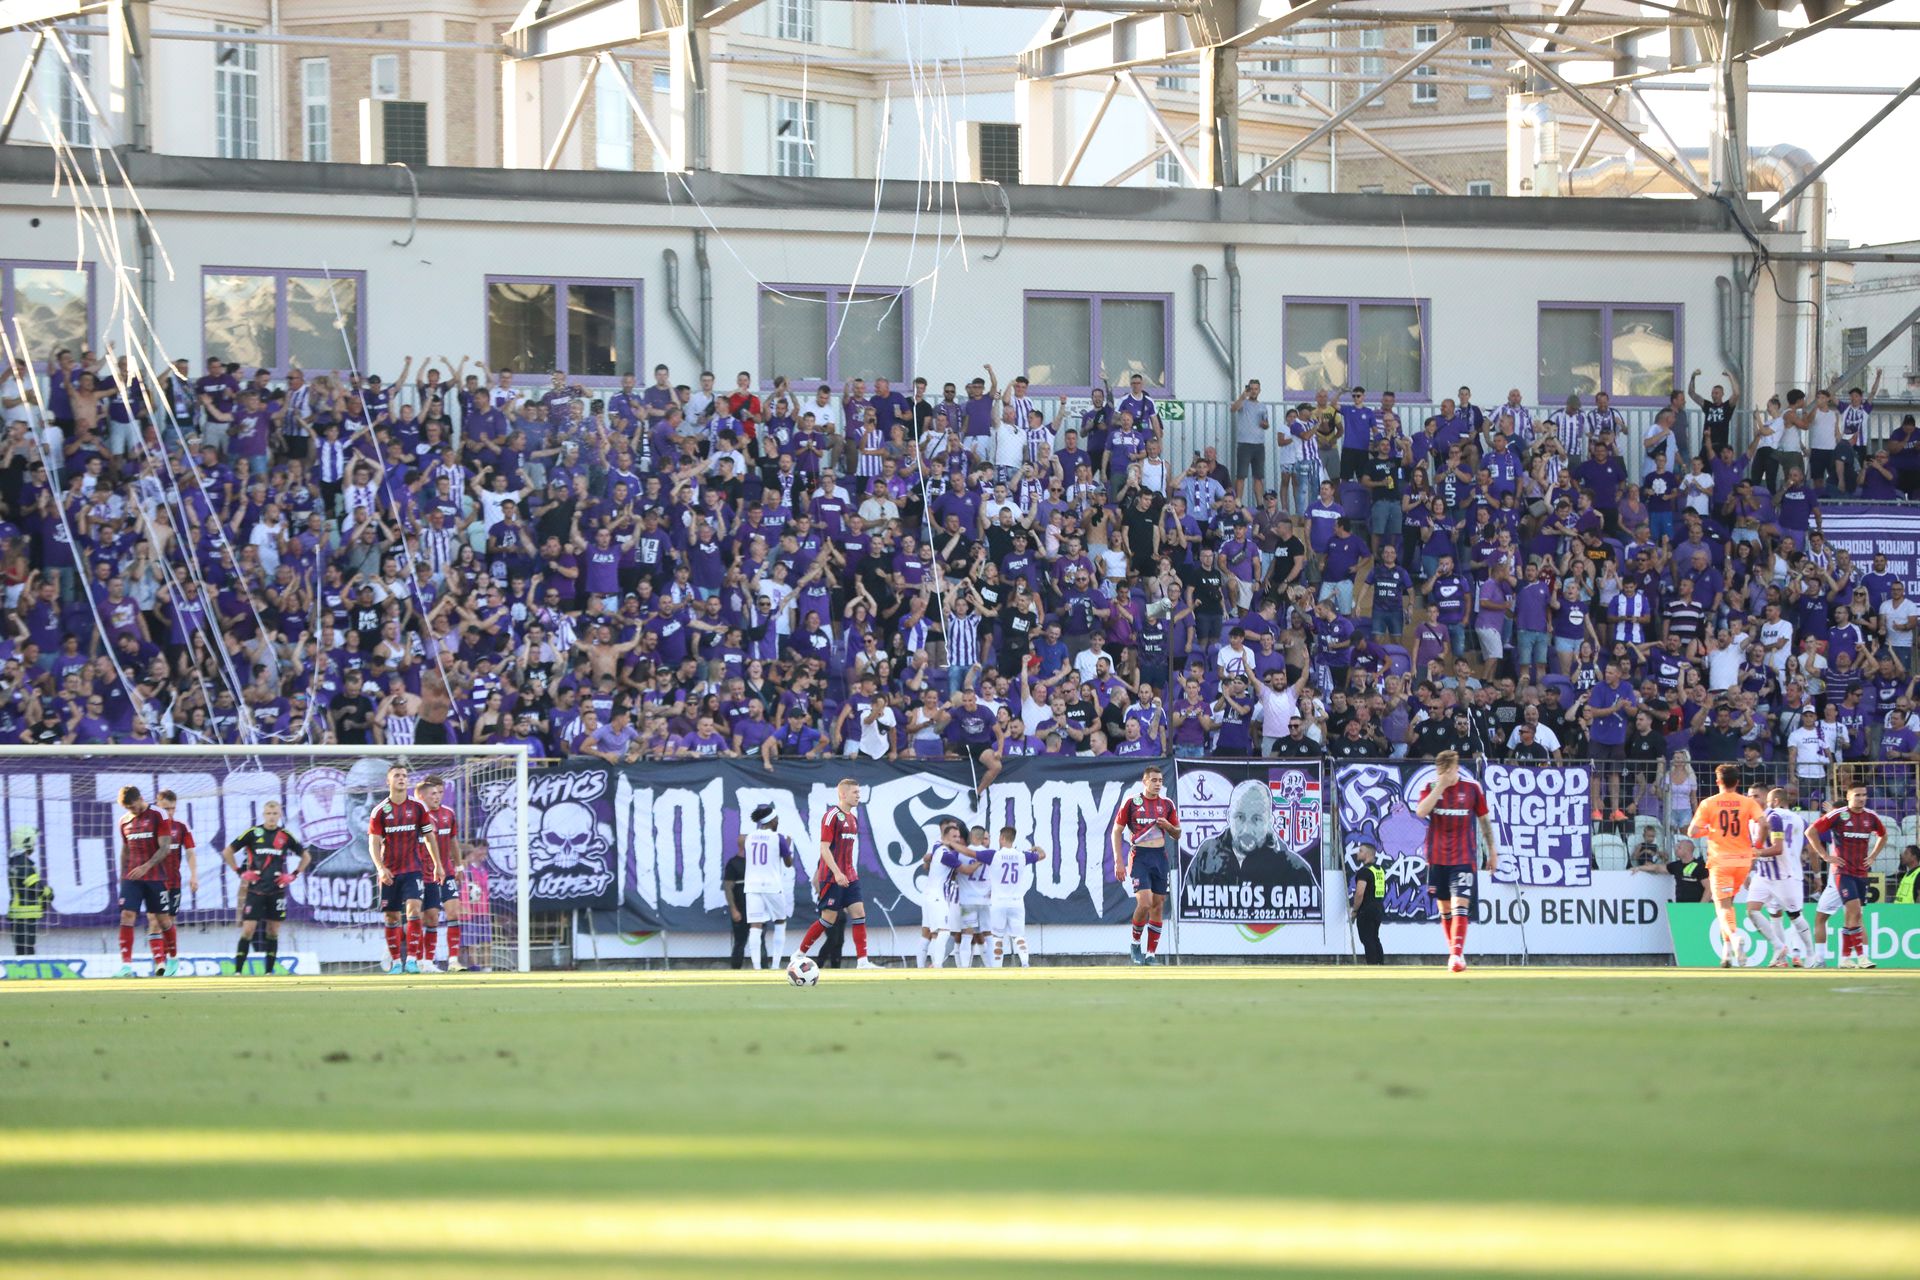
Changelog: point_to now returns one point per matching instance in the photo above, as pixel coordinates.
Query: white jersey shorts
(764, 908)
(1830, 903)
(1786, 894)
(971, 917)
(938, 915)
(1009, 920)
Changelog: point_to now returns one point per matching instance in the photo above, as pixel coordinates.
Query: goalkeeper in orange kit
(1730, 822)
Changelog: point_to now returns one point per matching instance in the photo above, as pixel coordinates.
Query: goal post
(60, 808)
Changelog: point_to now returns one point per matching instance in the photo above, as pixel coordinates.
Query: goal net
(60, 812)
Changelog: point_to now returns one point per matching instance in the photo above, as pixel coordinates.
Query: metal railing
(1636, 805)
(1209, 423)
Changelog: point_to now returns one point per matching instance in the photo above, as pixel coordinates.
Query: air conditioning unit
(992, 152)
(393, 132)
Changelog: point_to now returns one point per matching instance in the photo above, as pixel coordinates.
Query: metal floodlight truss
(1596, 54)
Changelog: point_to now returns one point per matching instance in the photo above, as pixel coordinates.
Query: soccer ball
(803, 972)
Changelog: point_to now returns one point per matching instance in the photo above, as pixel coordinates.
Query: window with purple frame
(1069, 337)
(585, 328)
(274, 318)
(1381, 344)
(820, 333)
(1630, 350)
(53, 303)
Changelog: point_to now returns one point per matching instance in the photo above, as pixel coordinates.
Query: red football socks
(172, 936)
(1153, 939)
(126, 944)
(393, 942)
(1136, 933)
(431, 945)
(1459, 934)
(815, 932)
(157, 944)
(859, 931)
(414, 939)
(453, 942)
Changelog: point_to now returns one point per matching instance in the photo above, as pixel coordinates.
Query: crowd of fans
(685, 570)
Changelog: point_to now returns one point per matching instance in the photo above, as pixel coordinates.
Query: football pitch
(1078, 1122)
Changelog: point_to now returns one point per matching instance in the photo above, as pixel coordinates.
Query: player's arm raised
(1424, 807)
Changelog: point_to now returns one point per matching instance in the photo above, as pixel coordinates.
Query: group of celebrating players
(1761, 846)
(975, 897)
(411, 838)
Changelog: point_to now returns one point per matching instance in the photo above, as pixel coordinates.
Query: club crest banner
(1249, 841)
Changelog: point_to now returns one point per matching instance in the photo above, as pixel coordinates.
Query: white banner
(1620, 913)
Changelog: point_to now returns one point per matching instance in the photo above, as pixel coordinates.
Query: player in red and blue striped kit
(1850, 838)
(400, 839)
(838, 877)
(442, 895)
(146, 842)
(1452, 807)
(1144, 823)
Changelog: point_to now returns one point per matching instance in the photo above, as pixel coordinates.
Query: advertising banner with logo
(1893, 935)
(1249, 842)
(1867, 529)
(675, 825)
(107, 966)
(1540, 816)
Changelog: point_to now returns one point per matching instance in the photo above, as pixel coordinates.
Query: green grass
(517, 1120)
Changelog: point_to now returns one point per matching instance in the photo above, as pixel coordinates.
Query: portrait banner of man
(1249, 843)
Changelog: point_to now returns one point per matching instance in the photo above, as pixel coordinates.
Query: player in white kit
(1009, 876)
(976, 896)
(946, 864)
(769, 856)
(1776, 891)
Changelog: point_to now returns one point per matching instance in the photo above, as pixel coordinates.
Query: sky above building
(1871, 190)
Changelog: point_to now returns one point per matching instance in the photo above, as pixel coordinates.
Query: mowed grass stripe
(696, 978)
(106, 1148)
(1173, 1231)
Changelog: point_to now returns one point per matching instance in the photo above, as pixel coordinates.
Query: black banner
(675, 824)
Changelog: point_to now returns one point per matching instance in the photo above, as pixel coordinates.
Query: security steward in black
(1369, 903)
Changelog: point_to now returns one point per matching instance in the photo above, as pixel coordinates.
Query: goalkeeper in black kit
(266, 849)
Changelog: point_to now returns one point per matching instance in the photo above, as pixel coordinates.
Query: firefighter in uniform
(28, 893)
(1369, 902)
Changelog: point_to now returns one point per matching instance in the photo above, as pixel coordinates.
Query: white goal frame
(520, 754)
